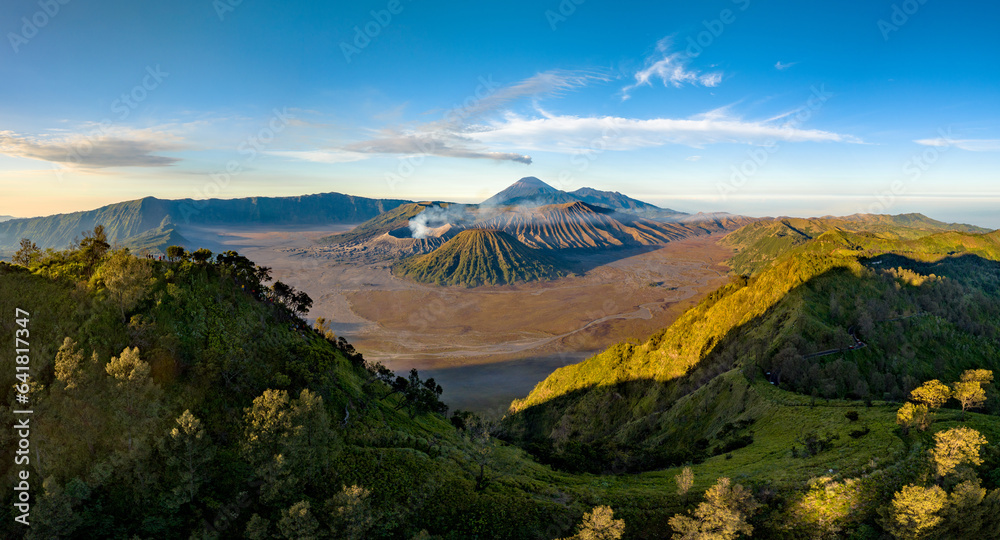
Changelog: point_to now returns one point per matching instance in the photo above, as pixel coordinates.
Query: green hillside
(480, 257)
(763, 241)
(189, 400)
(913, 303)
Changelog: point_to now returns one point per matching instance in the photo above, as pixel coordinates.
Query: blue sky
(762, 108)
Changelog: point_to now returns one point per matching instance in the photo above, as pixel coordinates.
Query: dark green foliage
(177, 253)
(813, 444)
(851, 416)
(239, 410)
(27, 253)
(858, 433)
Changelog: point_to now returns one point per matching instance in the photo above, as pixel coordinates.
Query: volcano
(481, 257)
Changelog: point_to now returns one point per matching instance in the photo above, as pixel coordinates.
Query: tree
(176, 253)
(684, 482)
(287, 442)
(135, 402)
(257, 528)
(298, 523)
(351, 510)
(970, 394)
(915, 511)
(970, 513)
(187, 451)
(599, 524)
(301, 304)
(94, 245)
(932, 393)
(955, 447)
(28, 253)
(983, 376)
(723, 515)
(911, 415)
(827, 507)
(126, 278)
(201, 255)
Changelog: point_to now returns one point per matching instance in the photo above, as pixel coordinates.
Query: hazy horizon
(731, 105)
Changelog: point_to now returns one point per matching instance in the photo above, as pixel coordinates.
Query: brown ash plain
(485, 345)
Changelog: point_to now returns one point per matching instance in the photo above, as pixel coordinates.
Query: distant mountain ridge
(149, 222)
(531, 192)
(765, 240)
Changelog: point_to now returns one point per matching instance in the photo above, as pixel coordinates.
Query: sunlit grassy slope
(764, 241)
(481, 257)
(926, 308)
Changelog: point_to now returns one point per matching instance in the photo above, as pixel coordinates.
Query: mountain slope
(581, 225)
(131, 218)
(912, 302)
(528, 191)
(480, 257)
(394, 219)
(763, 241)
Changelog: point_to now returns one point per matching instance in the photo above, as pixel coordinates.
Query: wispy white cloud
(110, 148)
(574, 133)
(670, 68)
(321, 156)
(972, 145)
(450, 135)
(692, 158)
(436, 144)
(782, 67)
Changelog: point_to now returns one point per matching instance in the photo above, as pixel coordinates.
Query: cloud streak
(971, 145)
(671, 69)
(574, 133)
(450, 136)
(95, 152)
